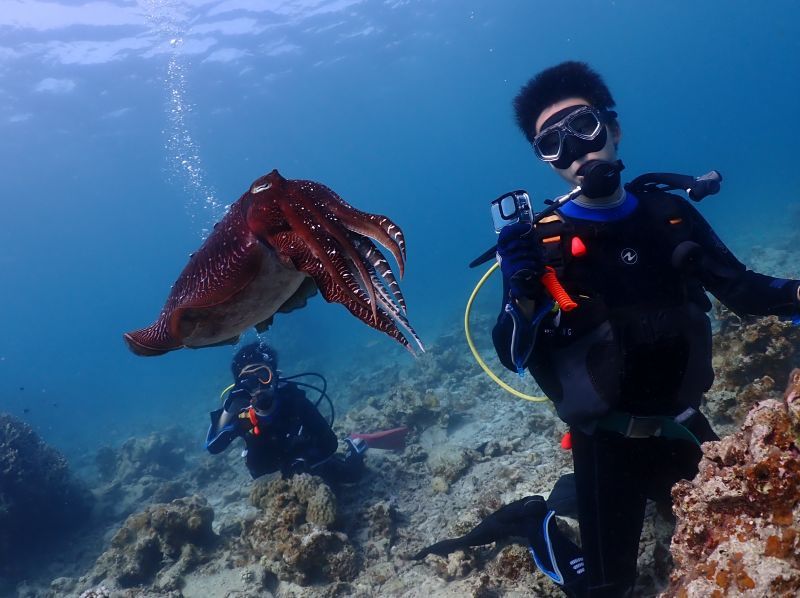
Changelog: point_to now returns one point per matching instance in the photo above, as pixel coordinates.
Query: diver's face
(259, 381)
(608, 152)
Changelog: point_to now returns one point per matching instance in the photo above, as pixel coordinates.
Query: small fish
(22, 388)
(26, 410)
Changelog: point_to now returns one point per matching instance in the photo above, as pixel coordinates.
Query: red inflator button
(578, 248)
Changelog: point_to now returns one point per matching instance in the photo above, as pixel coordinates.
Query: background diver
(282, 429)
(627, 368)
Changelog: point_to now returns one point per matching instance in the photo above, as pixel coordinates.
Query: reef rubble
(142, 471)
(293, 537)
(752, 359)
(158, 546)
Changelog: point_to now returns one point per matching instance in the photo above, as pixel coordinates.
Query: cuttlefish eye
(259, 188)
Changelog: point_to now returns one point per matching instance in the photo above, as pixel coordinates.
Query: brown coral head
(793, 388)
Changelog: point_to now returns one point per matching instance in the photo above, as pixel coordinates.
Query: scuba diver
(282, 429)
(625, 352)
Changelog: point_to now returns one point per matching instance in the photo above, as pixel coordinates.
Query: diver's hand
(521, 260)
(237, 400)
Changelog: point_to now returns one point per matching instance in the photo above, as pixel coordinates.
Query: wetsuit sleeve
(743, 291)
(220, 435)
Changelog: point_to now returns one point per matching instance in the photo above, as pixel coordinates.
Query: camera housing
(510, 208)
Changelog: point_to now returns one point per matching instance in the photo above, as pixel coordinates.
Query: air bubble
(185, 167)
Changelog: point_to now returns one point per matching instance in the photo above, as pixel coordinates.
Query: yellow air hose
(226, 389)
(474, 350)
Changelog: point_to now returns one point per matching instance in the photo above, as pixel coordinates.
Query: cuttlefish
(278, 244)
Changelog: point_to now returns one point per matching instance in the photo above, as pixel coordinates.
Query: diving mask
(575, 131)
(255, 378)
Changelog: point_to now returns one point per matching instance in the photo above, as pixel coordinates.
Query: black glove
(521, 260)
(237, 400)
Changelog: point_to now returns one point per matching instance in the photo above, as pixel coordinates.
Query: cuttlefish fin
(306, 290)
(264, 326)
(228, 341)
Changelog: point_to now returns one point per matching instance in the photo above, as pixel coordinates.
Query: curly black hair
(254, 353)
(565, 80)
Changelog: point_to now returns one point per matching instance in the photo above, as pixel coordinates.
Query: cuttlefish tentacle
(320, 253)
(334, 292)
(313, 215)
(387, 305)
(375, 226)
(374, 257)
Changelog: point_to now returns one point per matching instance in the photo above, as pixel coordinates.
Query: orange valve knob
(550, 282)
(251, 413)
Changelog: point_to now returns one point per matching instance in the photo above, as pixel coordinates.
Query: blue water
(402, 107)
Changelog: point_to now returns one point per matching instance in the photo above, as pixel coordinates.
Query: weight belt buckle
(643, 427)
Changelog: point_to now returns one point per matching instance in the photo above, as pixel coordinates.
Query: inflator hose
(474, 349)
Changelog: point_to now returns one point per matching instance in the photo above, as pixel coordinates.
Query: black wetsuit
(638, 344)
(296, 439)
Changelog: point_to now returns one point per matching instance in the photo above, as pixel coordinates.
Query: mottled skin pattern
(280, 242)
(793, 388)
(792, 396)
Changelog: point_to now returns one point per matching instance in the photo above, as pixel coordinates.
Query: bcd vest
(639, 339)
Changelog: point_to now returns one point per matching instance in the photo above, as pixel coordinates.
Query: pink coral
(739, 519)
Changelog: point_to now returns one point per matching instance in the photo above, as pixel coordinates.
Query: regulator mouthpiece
(600, 178)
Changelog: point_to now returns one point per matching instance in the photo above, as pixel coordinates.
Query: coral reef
(751, 359)
(746, 349)
(448, 465)
(158, 545)
(293, 536)
(403, 406)
(142, 470)
(98, 592)
(739, 520)
(39, 497)
(382, 518)
(159, 455)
